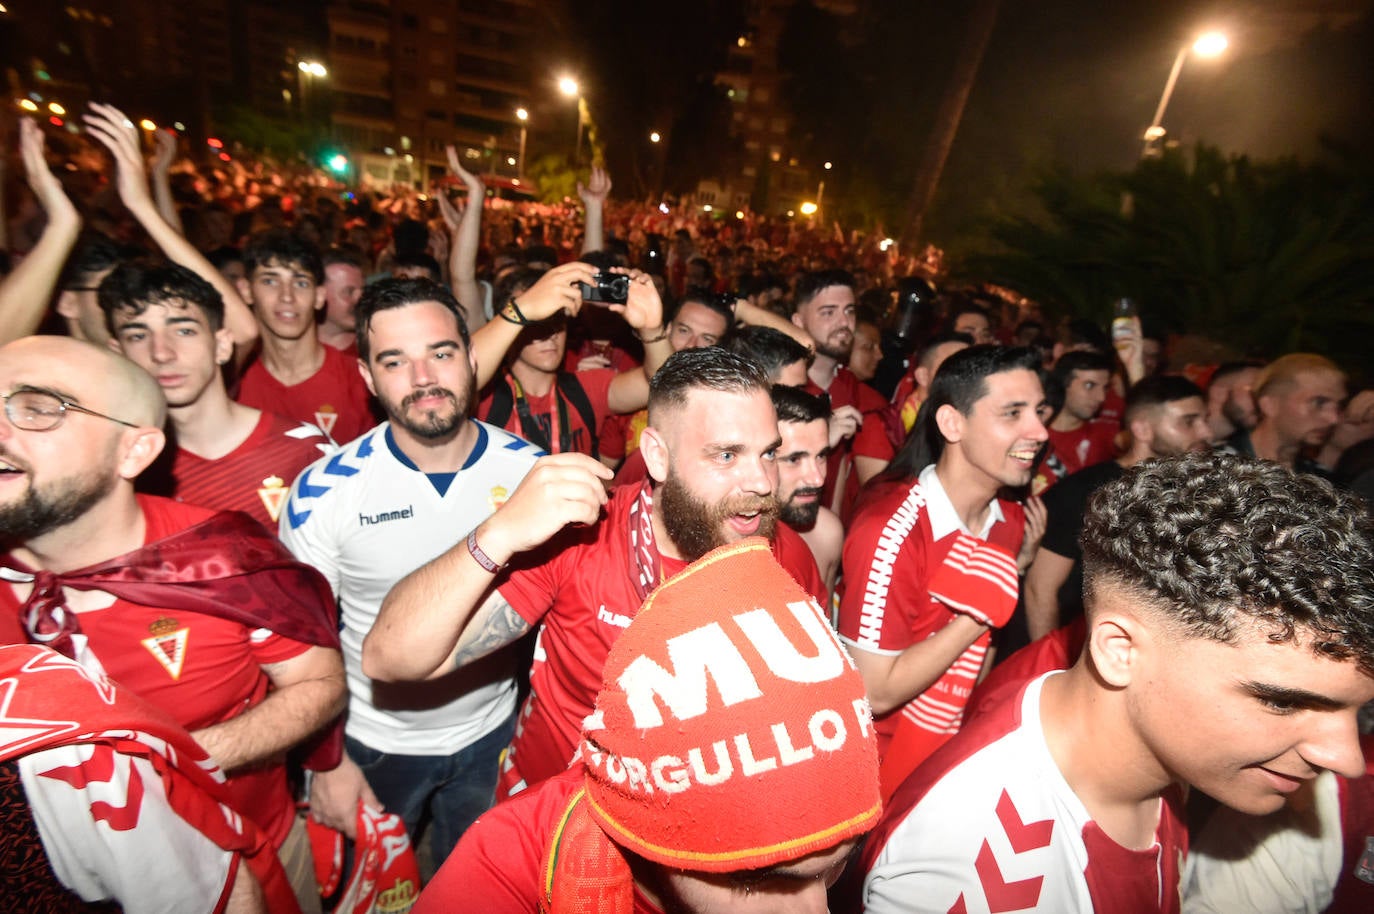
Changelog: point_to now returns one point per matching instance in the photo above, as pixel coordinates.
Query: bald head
(93, 376)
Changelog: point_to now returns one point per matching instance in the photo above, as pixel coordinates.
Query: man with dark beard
(202, 614)
(825, 309)
(579, 574)
(804, 429)
(389, 502)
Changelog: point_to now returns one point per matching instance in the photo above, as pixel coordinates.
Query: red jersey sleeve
(884, 584)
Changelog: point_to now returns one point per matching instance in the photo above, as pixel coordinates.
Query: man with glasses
(204, 615)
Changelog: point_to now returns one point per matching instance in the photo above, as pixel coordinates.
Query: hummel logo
(365, 520)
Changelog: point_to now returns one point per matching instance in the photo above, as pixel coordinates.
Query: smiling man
(710, 448)
(294, 373)
(1230, 645)
(390, 501)
(930, 563)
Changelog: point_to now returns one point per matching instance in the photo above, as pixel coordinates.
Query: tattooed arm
(445, 613)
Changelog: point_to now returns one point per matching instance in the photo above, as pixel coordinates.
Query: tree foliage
(1269, 257)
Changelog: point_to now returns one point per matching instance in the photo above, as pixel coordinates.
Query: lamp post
(309, 70)
(569, 87)
(1210, 44)
(524, 116)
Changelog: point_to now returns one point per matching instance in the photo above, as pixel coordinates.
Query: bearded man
(393, 499)
(552, 557)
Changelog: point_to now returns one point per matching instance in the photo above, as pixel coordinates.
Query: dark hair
(1080, 360)
(965, 307)
(707, 368)
(602, 259)
(410, 237)
(941, 339)
(342, 253)
(94, 253)
(389, 293)
(283, 248)
(1082, 332)
(221, 257)
(1226, 369)
(771, 350)
(1156, 391)
(809, 285)
(1217, 541)
(419, 259)
(513, 282)
(136, 284)
(709, 299)
(795, 404)
(961, 382)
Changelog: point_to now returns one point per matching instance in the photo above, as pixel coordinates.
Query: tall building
(409, 77)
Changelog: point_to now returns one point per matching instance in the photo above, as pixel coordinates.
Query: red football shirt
(254, 477)
(596, 384)
(333, 398)
(871, 440)
(1091, 443)
(579, 589)
(199, 669)
(890, 553)
(497, 867)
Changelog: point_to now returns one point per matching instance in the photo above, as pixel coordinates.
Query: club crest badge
(167, 644)
(273, 494)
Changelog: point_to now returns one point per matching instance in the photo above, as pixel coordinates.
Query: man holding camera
(533, 397)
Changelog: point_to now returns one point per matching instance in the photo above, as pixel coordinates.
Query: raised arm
(555, 291)
(445, 614)
(643, 311)
(117, 133)
(25, 293)
(594, 194)
(166, 142)
(465, 237)
(752, 315)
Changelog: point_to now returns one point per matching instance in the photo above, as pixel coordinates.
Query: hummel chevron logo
(1003, 895)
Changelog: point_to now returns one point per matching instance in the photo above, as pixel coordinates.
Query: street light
(524, 116)
(1210, 44)
(312, 68)
(569, 87)
(655, 137)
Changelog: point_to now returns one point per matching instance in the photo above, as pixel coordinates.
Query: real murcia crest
(273, 494)
(325, 417)
(167, 644)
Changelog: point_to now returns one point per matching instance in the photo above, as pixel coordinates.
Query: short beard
(801, 516)
(696, 527)
(35, 514)
(835, 352)
(433, 426)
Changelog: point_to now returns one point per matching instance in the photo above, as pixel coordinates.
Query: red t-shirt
(890, 554)
(595, 383)
(200, 669)
(1091, 443)
(871, 440)
(333, 398)
(254, 477)
(497, 867)
(579, 588)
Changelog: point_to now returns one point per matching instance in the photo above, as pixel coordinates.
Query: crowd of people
(606, 557)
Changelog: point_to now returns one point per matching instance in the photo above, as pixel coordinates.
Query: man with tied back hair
(581, 575)
(1230, 645)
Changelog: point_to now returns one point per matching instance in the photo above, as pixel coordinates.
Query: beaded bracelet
(519, 319)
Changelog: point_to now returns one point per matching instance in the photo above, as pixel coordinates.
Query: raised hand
(44, 184)
(597, 188)
(643, 309)
(108, 125)
(559, 489)
(556, 291)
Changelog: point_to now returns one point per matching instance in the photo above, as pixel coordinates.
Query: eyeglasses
(42, 410)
